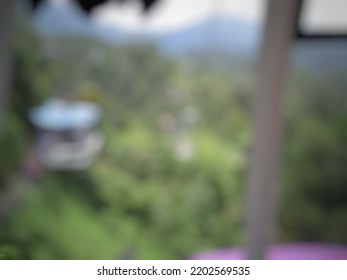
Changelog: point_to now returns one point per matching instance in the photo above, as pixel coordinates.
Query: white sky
(325, 16)
(174, 14)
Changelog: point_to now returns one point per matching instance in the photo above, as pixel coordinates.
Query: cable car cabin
(67, 138)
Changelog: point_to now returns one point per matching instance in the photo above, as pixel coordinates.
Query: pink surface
(297, 251)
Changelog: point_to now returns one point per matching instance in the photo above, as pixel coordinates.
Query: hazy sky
(174, 14)
(325, 16)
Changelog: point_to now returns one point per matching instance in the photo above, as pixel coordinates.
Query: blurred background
(127, 131)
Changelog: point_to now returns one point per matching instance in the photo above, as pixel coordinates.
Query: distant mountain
(222, 34)
(321, 55)
(211, 34)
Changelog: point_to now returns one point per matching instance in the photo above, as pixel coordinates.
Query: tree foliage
(142, 198)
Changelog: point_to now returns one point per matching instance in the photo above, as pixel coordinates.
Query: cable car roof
(61, 115)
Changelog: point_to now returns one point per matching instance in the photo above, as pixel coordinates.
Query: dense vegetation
(171, 178)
